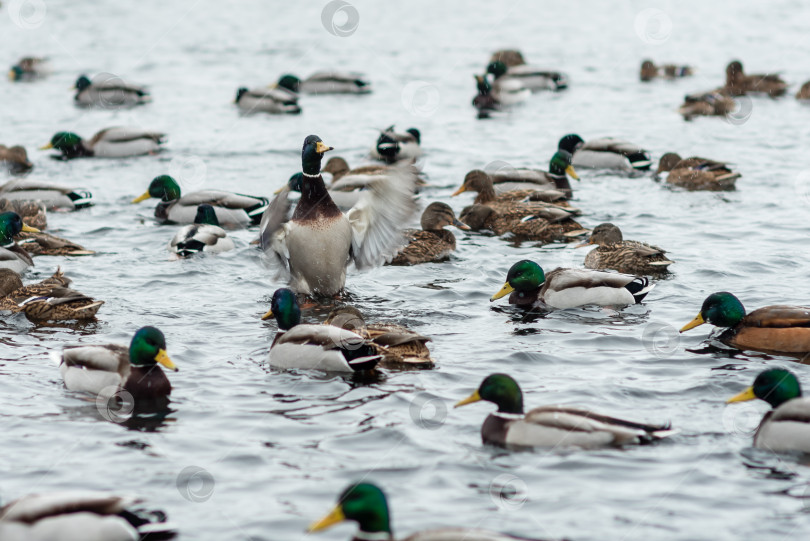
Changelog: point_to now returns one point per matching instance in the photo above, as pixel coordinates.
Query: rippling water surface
(280, 446)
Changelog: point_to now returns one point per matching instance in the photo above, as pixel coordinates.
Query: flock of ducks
(358, 219)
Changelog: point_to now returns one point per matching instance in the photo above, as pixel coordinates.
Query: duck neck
(315, 200)
(486, 194)
(76, 151)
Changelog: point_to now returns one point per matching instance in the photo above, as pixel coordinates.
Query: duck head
(11, 225)
(148, 347)
(284, 307)
(775, 386)
(162, 187)
(364, 503)
(524, 276)
(560, 164)
(312, 154)
(720, 309)
(500, 389)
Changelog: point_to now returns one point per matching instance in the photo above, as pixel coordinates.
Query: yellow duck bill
(504, 291)
(744, 396)
(694, 323)
(163, 358)
(475, 397)
(143, 197)
(335, 517)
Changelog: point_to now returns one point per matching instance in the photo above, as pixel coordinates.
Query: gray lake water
(271, 451)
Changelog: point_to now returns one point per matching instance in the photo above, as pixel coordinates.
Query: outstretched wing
(380, 216)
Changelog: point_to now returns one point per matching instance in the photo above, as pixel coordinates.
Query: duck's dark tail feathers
(363, 357)
(256, 211)
(639, 287)
(151, 525)
(640, 160)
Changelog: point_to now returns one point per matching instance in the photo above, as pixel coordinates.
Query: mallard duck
(510, 57)
(316, 245)
(399, 346)
(528, 76)
(514, 212)
(315, 347)
(204, 235)
(117, 142)
(365, 504)
(11, 255)
(48, 300)
(81, 516)
(778, 329)
(392, 147)
(738, 83)
(697, 173)
(267, 100)
(498, 95)
(650, 71)
(433, 242)
(605, 153)
(326, 82)
(804, 92)
(29, 69)
(544, 223)
(626, 256)
(507, 179)
(32, 212)
(528, 286)
(711, 103)
(15, 159)
(45, 244)
(786, 428)
(231, 208)
(109, 92)
(107, 369)
(53, 196)
(552, 426)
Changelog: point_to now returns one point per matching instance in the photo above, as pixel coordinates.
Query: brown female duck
(399, 346)
(15, 159)
(626, 256)
(433, 242)
(48, 300)
(711, 103)
(738, 83)
(697, 173)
